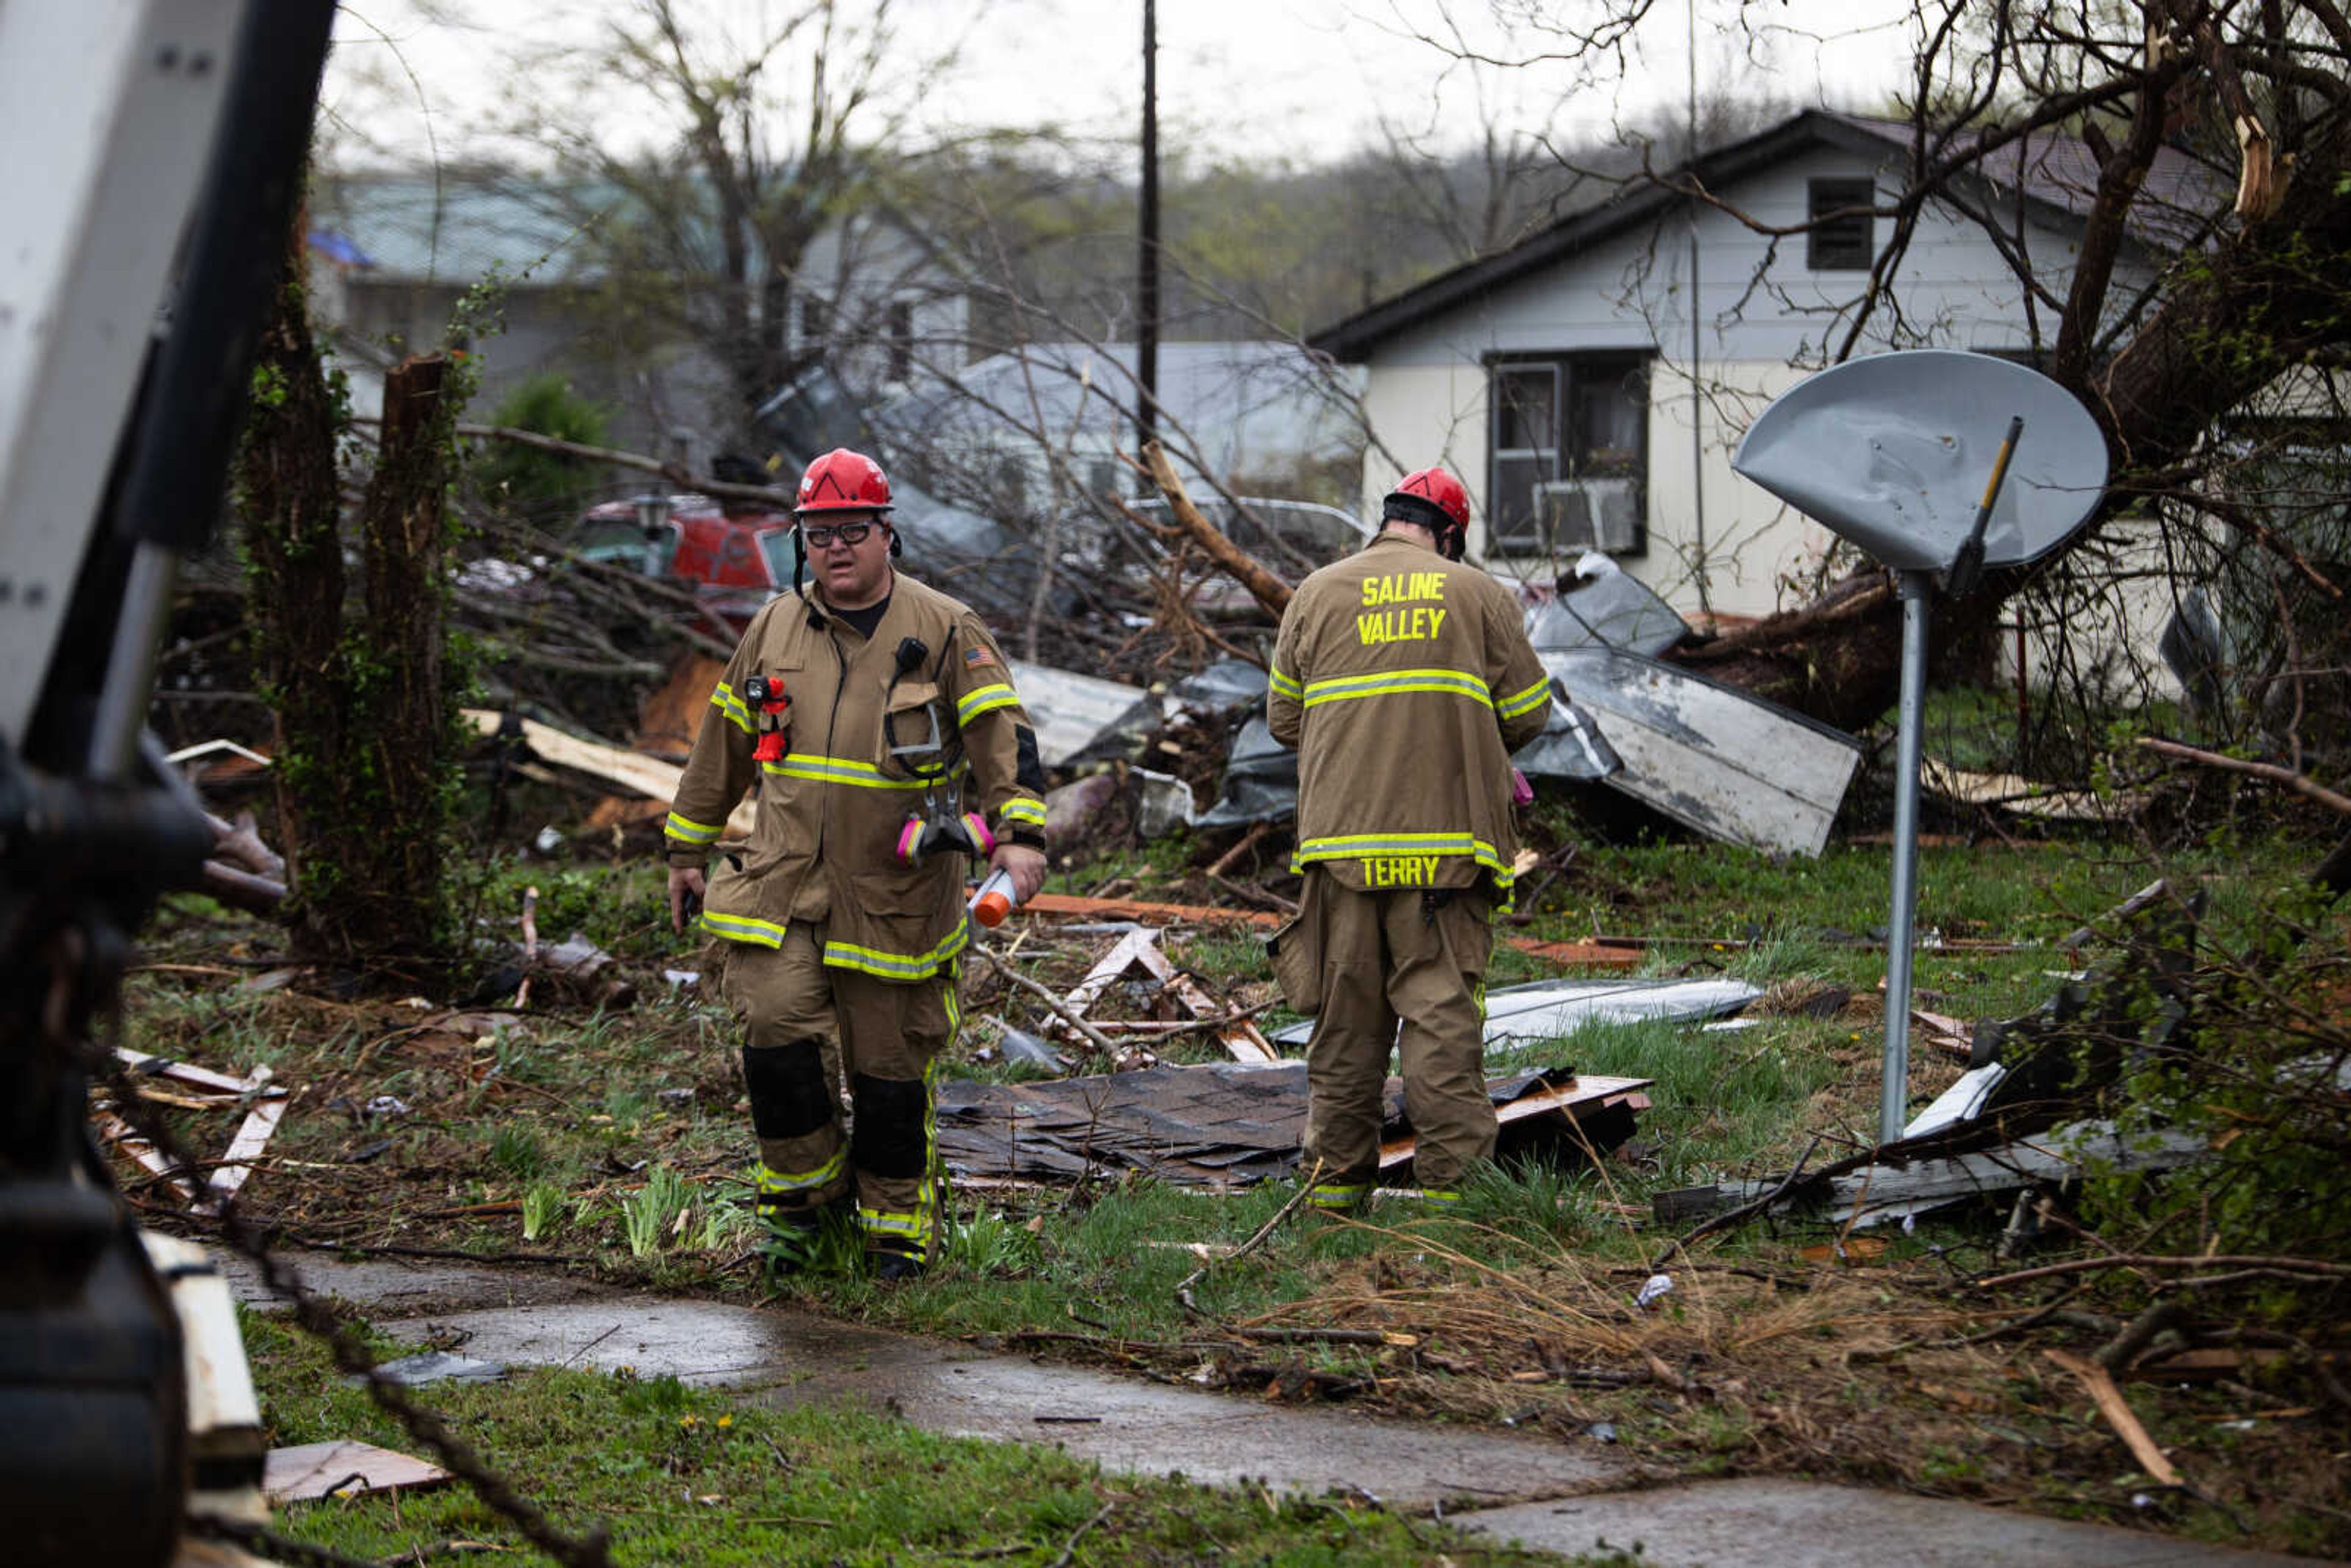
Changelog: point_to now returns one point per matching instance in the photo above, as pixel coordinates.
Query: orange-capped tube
(994, 900)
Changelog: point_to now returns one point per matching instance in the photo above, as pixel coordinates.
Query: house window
(900, 333)
(1848, 241)
(816, 319)
(1568, 455)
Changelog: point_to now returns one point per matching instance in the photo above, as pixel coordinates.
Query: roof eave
(1347, 341)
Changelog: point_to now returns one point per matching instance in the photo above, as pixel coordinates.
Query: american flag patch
(976, 655)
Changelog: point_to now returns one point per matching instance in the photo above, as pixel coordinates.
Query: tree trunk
(287, 493)
(398, 848)
(364, 792)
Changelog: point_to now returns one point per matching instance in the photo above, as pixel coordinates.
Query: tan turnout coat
(1405, 681)
(830, 813)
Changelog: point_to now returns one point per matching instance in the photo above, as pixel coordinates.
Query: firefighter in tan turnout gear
(877, 720)
(1405, 680)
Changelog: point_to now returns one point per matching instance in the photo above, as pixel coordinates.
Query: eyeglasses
(847, 533)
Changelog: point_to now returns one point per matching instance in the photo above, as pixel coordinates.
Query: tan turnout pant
(811, 1032)
(1386, 960)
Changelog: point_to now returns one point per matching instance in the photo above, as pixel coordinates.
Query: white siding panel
(1767, 320)
(1427, 414)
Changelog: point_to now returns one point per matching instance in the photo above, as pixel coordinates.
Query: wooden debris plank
(156, 1095)
(246, 1147)
(1944, 1032)
(648, 776)
(2117, 1411)
(1604, 955)
(1243, 1041)
(1586, 1093)
(1613, 956)
(125, 1138)
(1121, 957)
(2026, 797)
(2209, 1363)
(1148, 912)
(181, 1071)
(344, 1467)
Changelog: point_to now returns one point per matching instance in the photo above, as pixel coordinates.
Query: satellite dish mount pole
(1918, 590)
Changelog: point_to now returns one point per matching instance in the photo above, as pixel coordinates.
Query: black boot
(796, 1236)
(891, 1266)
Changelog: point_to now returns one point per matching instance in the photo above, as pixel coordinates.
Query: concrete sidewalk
(1547, 1496)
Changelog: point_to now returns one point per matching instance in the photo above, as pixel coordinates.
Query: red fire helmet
(841, 481)
(1439, 489)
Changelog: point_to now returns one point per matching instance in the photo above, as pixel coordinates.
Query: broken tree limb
(2152, 893)
(1093, 1036)
(1724, 1221)
(1252, 892)
(1329, 1336)
(2257, 182)
(677, 474)
(2117, 1354)
(1305, 1190)
(1241, 846)
(2117, 1411)
(242, 889)
(2312, 1267)
(239, 842)
(1263, 585)
(2269, 770)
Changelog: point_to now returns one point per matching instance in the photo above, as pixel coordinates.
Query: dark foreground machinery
(155, 160)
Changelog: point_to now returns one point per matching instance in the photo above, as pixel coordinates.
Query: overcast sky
(1246, 79)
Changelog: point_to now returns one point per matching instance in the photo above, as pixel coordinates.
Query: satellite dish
(1893, 453)
(1932, 461)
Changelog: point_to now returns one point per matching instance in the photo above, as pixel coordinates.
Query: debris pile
(1231, 1124)
(191, 1088)
(1225, 1124)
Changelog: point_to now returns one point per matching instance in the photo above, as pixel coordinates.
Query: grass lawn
(681, 1475)
(617, 1141)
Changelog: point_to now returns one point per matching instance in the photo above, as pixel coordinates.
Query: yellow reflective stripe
(897, 965)
(1352, 846)
(1396, 683)
(913, 1227)
(1439, 1196)
(1022, 809)
(837, 771)
(774, 1181)
(1526, 701)
(686, 831)
(1284, 685)
(742, 928)
(1327, 1195)
(985, 699)
(724, 699)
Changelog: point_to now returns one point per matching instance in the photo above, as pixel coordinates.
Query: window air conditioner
(1589, 513)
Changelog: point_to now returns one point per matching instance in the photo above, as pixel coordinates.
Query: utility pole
(1146, 271)
(1697, 344)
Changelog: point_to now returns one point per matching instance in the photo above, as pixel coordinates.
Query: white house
(1590, 385)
